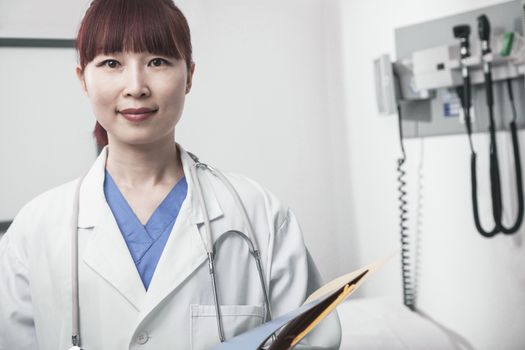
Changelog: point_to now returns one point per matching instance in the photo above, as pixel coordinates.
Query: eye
(110, 63)
(157, 62)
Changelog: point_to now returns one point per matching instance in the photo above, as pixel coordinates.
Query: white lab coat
(177, 310)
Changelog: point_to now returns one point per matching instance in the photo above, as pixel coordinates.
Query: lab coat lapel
(184, 251)
(106, 252)
(108, 255)
(183, 254)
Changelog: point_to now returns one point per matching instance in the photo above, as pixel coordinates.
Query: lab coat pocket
(236, 319)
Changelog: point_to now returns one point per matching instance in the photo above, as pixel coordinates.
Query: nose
(136, 83)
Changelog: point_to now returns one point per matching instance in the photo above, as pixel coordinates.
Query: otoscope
(462, 32)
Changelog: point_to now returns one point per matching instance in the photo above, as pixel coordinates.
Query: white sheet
(382, 323)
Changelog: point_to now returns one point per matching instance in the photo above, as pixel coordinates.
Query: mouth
(137, 114)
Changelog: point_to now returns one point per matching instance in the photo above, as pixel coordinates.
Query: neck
(142, 166)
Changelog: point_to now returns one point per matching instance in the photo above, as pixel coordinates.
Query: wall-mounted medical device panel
(439, 67)
(428, 69)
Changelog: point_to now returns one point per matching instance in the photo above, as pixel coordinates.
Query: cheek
(102, 101)
(100, 92)
(173, 91)
(176, 86)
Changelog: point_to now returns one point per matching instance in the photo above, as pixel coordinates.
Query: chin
(143, 138)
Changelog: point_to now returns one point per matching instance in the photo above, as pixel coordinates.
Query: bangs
(155, 26)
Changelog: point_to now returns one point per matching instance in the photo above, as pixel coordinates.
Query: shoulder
(53, 200)
(256, 198)
(46, 209)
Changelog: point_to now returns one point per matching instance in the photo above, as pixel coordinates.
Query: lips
(137, 114)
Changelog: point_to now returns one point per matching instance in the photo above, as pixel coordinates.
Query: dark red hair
(155, 26)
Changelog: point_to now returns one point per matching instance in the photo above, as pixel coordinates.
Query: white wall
(473, 286)
(54, 19)
(45, 122)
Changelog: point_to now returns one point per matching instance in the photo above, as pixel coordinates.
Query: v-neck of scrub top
(145, 242)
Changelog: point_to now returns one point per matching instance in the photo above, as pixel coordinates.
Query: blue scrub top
(145, 242)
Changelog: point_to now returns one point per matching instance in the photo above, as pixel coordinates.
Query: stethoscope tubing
(75, 330)
(210, 250)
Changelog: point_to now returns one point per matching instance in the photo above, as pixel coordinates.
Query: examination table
(384, 323)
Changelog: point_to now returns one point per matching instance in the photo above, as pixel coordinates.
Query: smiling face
(137, 97)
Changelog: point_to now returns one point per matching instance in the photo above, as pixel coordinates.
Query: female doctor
(143, 216)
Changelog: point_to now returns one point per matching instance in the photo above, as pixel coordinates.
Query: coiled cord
(418, 231)
(408, 287)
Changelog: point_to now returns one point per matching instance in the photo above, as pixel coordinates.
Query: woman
(141, 222)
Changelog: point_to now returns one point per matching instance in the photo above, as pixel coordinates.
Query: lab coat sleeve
(293, 277)
(17, 330)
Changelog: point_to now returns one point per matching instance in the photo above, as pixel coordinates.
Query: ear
(190, 77)
(80, 76)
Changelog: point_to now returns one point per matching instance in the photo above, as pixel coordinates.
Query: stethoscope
(208, 244)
